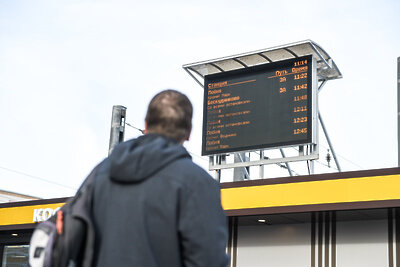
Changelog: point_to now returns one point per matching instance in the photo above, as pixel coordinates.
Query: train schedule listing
(263, 106)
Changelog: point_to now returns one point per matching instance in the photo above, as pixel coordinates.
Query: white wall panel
(362, 243)
(274, 245)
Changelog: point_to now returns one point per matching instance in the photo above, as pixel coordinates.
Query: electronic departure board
(264, 106)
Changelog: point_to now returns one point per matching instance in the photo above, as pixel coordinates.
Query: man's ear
(145, 127)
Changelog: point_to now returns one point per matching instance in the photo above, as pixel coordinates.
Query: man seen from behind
(152, 206)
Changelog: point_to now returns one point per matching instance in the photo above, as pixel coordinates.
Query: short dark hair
(170, 113)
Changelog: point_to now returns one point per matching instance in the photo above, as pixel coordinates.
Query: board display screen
(258, 107)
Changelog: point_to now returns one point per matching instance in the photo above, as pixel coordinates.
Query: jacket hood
(138, 159)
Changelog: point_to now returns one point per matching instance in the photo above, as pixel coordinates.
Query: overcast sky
(64, 64)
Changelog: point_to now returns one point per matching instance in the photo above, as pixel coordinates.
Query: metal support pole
(321, 56)
(261, 173)
(312, 162)
(398, 111)
(240, 173)
(286, 163)
(218, 172)
(321, 85)
(117, 127)
(329, 141)
(210, 161)
(301, 150)
(198, 82)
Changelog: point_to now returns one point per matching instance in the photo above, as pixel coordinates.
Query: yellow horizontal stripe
(316, 192)
(23, 214)
(373, 188)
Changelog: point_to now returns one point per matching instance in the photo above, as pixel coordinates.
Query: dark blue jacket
(154, 207)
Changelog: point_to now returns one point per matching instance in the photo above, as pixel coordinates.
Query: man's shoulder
(187, 166)
(191, 173)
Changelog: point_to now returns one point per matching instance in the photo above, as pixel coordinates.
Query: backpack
(67, 238)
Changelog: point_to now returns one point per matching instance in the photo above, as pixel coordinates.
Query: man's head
(170, 114)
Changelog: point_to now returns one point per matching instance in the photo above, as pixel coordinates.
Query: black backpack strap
(83, 210)
(77, 239)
